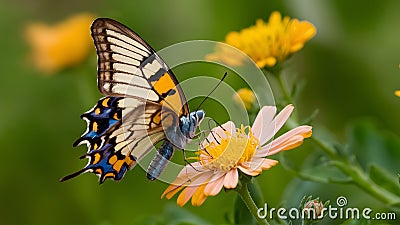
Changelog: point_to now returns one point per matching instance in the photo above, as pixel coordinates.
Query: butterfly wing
(143, 94)
(120, 132)
(128, 66)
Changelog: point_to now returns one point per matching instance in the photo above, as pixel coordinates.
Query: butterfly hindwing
(114, 147)
(105, 115)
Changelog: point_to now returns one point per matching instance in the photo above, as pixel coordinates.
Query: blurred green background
(348, 71)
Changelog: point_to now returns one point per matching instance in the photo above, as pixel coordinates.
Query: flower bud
(245, 96)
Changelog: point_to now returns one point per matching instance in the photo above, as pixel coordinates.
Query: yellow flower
(266, 43)
(228, 149)
(227, 54)
(60, 46)
(245, 96)
(397, 93)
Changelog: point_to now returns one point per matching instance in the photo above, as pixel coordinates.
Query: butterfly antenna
(209, 126)
(212, 133)
(220, 81)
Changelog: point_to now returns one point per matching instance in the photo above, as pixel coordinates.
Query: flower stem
(244, 193)
(284, 90)
(357, 175)
(365, 183)
(324, 147)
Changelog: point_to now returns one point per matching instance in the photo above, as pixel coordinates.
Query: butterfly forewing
(128, 66)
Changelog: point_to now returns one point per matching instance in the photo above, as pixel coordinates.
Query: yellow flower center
(231, 151)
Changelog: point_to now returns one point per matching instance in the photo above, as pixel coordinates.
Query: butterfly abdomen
(160, 160)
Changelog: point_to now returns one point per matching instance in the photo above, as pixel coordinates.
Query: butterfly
(144, 105)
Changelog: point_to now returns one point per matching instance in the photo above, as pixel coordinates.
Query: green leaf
(372, 144)
(315, 170)
(384, 178)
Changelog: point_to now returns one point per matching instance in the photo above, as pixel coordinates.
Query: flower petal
(193, 168)
(264, 117)
(184, 180)
(218, 133)
(291, 139)
(266, 43)
(265, 127)
(250, 172)
(256, 166)
(268, 163)
(199, 197)
(231, 178)
(185, 195)
(287, 141)
(171, 191)
(215, 185)
(271, 129)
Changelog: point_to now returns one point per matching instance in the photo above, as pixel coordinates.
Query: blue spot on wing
(103, 168)
(99, 163)
(104, 116)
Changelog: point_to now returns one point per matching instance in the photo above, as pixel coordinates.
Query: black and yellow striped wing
(143, 100)
(128, 66)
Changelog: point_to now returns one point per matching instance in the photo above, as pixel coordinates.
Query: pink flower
(228, 149)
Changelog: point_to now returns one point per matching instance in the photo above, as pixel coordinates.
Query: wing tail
(120, 132)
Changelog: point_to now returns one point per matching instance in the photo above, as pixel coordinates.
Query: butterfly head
(197, 116)
(189, 124)
(195, 119)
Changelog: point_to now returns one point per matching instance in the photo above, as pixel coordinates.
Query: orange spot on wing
(166, 85)
(97, 157)
(97, 111)
(117, 166)
(109, 175)
(95, 126)
(156, 118)
(105, 102)
(130, 162)
(116, 116)
(113, 159)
